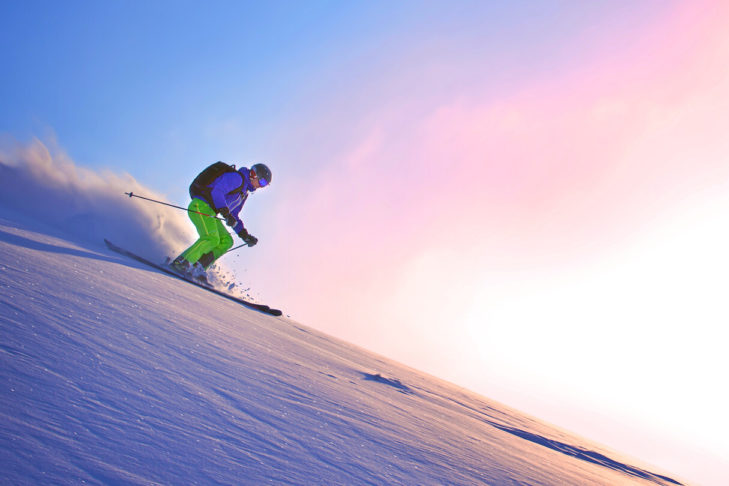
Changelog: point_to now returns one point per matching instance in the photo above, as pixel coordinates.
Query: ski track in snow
(113, 373)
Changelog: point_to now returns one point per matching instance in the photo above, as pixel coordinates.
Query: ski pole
(131, 194)
(239, 246)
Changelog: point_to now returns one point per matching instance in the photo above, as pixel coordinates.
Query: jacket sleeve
(239, 226)
(222, 186)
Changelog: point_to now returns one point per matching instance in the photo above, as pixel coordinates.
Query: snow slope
(113, 373)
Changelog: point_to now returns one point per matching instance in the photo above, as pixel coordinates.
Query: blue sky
(138, 84)
(161, 87)
(142, 84)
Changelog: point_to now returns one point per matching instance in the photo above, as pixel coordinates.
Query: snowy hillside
(112, 373)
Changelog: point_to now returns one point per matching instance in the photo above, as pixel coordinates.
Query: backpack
(200, 187)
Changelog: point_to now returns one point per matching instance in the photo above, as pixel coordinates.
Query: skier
(219, 189)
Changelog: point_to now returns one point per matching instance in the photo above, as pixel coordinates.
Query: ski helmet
(263, 174)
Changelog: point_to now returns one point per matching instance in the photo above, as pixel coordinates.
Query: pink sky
(429, 202)
(543, 176)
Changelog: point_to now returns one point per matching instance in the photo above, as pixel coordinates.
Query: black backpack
(200, 186)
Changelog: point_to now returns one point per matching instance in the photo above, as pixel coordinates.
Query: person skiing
(219, 189)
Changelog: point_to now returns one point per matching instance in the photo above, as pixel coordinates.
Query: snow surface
(114, 373)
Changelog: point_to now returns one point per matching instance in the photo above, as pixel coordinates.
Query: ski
(251, 305)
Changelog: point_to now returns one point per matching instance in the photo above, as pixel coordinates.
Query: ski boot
(181, 266)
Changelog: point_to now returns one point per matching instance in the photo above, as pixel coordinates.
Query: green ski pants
(213, 235)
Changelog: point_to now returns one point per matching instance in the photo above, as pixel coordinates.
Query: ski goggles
(261, 181)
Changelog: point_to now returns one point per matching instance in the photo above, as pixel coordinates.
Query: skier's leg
(225, 243)
(208, 229)
(207, 259)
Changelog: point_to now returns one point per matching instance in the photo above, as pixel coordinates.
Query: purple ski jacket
(222, 186)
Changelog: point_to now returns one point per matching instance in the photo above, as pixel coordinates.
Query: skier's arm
(247, 237)
(238, 227)
(233, 221)
(222, 186)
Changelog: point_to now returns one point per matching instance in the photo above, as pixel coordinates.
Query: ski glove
(247, 237)
(229, 219)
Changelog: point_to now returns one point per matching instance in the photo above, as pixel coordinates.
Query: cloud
(41, 181)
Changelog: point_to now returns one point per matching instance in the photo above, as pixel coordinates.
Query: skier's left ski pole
(131, 194)
(239, 246)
